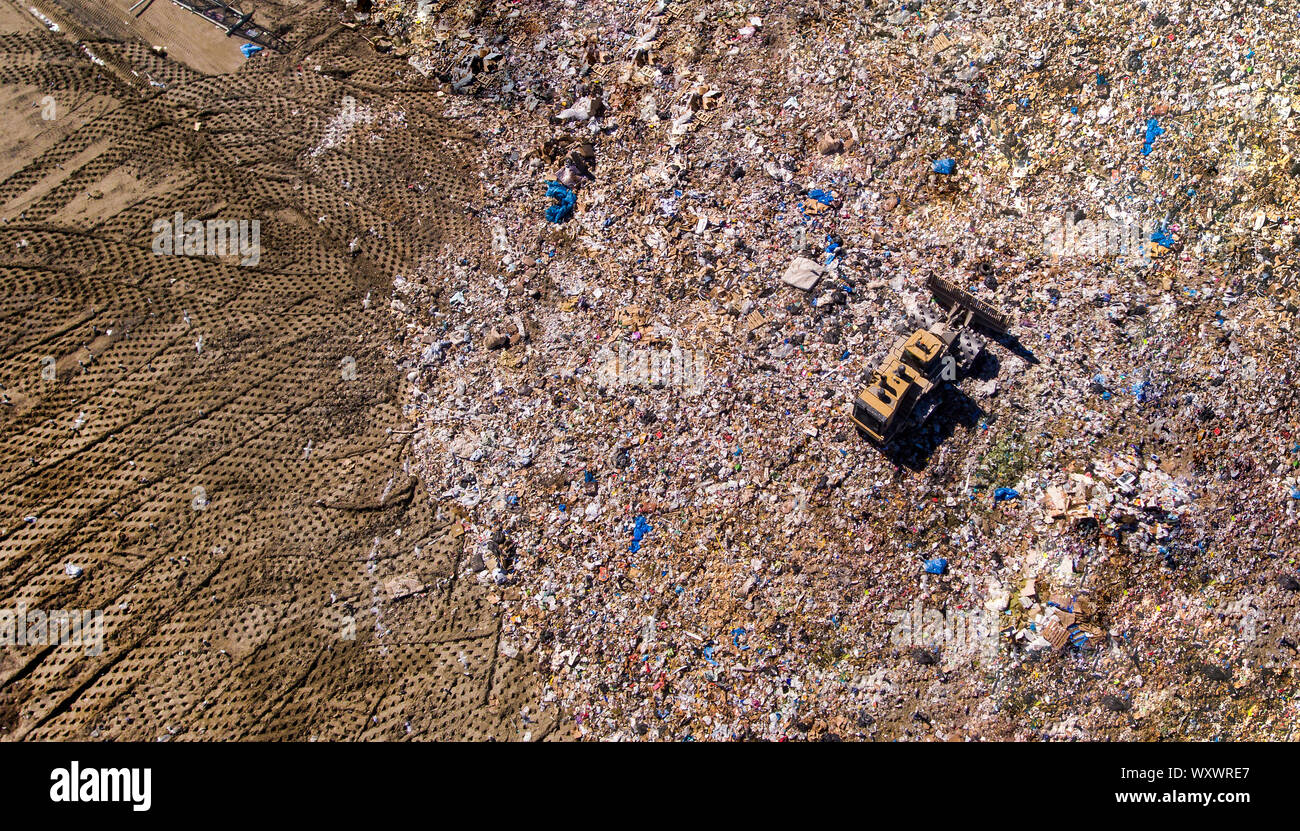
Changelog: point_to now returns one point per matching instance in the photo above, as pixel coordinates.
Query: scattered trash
(1125, 438)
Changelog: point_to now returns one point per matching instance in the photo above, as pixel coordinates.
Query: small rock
(830, 146)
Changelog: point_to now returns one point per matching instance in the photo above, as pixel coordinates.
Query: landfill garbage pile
(702, 224)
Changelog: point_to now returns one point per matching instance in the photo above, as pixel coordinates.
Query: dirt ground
(219, 462)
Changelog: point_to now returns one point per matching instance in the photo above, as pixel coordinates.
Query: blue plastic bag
(566, 199)
(832, 249)
(1153, 130)
(939, 565)
(1162, 237)
(639, 530)
(944, 166)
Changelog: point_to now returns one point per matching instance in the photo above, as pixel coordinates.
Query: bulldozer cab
(921, 350)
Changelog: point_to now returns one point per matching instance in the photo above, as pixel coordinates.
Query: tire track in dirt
(222, 449)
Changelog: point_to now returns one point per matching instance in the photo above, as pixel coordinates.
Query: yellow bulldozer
(902, 387)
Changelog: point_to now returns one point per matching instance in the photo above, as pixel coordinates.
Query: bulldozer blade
(982, 314)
